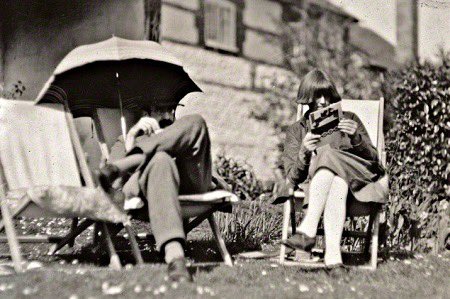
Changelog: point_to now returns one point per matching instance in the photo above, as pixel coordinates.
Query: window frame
(231, 44)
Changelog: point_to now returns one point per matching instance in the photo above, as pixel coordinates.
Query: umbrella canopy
(118, 73)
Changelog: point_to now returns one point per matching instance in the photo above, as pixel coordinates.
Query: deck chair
(195, 208)
(371, 115)
(39, 146)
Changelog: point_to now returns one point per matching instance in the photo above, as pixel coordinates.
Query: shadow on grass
(203, 255)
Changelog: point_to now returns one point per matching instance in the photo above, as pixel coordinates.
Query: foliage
(240, 176)
(416, 119)
(14, 92)
(418, 149)
(316, 41)
(252, 223)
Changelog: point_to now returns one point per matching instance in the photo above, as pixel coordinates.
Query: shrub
(240, 176)
(315, 41)
(252, 223)
(254, 220)
(418, 149)
(14, 92)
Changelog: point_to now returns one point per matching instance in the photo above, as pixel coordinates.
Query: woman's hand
(310, 141)
(348, 126)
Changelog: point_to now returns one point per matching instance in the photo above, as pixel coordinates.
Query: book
(324, 122)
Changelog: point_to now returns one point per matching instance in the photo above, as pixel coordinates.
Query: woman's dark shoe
(178, 272)
(107, 175)
(300, 241)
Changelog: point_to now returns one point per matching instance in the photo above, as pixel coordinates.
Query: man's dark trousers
(178, 161)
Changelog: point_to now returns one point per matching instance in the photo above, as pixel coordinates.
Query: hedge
(418, 150)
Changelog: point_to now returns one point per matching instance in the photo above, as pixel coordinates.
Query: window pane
(220, 24)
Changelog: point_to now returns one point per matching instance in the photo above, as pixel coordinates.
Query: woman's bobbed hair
(315, 84)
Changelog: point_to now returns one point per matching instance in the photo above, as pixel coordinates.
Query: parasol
(118, 73)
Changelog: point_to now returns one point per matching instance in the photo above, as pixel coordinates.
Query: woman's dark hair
(315, 84)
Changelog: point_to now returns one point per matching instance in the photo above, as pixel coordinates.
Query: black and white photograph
(224, 148)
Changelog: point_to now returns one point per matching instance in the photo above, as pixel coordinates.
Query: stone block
(263, 14)
(179, 25)
(233, 131)
(208, 66)
(189, 4)
(32, 49)
(262, 47)
(266, 76)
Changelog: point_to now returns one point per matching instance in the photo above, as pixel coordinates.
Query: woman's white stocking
(318, 193)
(334, 218)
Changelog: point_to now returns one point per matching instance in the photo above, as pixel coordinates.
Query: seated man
(160, 159)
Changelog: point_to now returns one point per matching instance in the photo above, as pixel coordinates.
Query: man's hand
(147, 125)
(310, 141)
(348, 126)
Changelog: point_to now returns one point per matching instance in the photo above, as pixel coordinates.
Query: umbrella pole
(123, 124)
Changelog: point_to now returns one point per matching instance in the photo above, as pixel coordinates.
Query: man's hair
(315, 84)
(161, 108)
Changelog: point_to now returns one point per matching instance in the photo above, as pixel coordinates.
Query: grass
(77, 273)
(417, 278)
(80, 273)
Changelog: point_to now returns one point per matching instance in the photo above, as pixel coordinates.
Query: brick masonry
(263, 14)
(229, 94)
(188, 4)
(233, 132)
(208, 66)
(172, 19)
(232, 85)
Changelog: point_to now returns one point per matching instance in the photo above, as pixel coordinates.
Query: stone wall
(1, 50)
(38, 35)
(232, 84)
(406, 30)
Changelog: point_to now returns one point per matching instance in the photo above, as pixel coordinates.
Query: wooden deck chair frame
(296, 197)
(27, 208)
(194, 212)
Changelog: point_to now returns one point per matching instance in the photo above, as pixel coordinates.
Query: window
(220, 25)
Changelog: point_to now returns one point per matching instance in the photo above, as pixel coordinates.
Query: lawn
(77, 273)
(422, 277)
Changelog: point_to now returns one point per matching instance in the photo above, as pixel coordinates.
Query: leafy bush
(240, 176)
(252, 223)
(254, 220)
(316, 40)
(14, 92)
(418, 149)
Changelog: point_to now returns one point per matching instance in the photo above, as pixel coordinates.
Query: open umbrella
(118, 73)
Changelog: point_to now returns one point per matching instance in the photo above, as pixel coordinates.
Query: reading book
(324, 122)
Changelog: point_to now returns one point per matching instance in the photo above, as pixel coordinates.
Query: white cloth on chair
(36, 150)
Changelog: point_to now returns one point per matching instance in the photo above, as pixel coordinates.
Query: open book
(324, 122)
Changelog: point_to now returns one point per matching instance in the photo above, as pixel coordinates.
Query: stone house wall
(38, 34)
(233, 83)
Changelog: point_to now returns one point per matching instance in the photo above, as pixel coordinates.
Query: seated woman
(346, 169)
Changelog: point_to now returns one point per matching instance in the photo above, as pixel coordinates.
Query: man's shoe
(178, 272)
(107, 175)
(300, 241)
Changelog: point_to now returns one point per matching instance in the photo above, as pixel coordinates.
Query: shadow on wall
(38, 34)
